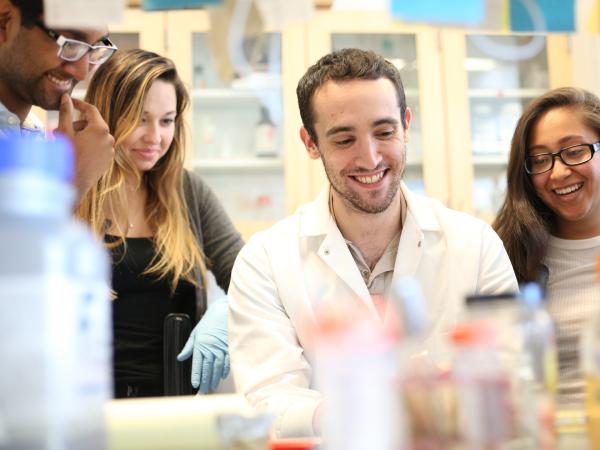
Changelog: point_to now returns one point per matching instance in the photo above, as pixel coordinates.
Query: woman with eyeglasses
(550, 219)
(162, 224)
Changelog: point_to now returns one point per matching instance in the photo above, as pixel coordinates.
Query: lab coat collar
(419, 208)
(316, 221)
(315, 217)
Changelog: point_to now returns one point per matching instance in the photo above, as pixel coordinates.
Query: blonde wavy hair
(118, 89)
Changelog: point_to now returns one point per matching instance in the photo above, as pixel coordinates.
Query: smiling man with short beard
(346, 248)
(40, 66)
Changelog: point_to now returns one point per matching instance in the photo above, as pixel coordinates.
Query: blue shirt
(11, 122)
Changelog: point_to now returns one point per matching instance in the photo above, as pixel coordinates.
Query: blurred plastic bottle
(355, 371)
(502, 314)
(525, 352)
(539, 337)
(54, 302)
(406, 296)
(590, 364)
(426, 389)
(539, 343)
(501, 317)
(484, 389)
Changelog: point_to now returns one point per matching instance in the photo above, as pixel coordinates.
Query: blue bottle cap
(50, 158)
(531, 294)
(407, 295)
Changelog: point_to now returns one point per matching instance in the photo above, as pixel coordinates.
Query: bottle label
(55, 344)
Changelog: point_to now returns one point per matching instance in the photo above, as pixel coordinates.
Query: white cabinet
(244, 122)
(466, 91)
(236, 116)
(490, 78)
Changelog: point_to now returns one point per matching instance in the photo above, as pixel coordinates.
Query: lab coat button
(326, 251)
(419, 244)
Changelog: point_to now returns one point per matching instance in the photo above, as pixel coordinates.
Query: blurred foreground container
(54, 305)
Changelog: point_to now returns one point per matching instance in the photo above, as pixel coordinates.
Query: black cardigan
(216, 235)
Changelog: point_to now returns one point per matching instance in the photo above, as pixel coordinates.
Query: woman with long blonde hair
(162, 224)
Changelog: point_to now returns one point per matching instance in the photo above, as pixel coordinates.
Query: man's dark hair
(345, 65)
(31, 10)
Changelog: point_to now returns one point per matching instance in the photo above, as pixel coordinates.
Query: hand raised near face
(92, 142)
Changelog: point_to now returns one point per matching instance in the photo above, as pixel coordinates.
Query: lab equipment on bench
(206, 422)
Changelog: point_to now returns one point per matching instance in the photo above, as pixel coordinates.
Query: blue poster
(154, 5)
(542, 15)
(467, 12)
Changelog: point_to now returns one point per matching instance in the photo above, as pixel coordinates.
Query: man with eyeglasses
(41, 66)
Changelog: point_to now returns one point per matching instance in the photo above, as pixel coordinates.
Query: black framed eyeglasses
(570, 156)
(73, 50)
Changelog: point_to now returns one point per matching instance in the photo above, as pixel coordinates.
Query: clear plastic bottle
(506, 355)
(486, 412)
(424, 386)
(590, 364)
(539, 344)
(524, 352)
(355, 371)
(54, 303)
(539, 337)
(406, 296)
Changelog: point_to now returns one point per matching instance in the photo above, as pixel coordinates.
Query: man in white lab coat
(365, 229)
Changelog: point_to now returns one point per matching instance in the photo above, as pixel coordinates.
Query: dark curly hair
(31, 10)
(345, 65)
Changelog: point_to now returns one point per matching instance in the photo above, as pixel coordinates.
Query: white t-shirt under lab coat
(284, 274)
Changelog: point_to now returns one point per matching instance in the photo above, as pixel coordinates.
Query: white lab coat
(285, 273)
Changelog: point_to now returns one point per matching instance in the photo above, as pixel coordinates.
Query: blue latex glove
(208, 344)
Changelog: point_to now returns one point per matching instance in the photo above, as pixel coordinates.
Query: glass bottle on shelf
(265, 135)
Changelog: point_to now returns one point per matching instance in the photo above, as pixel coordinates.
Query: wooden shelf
(493, 159)
(238, 164)
(233, 95)
(506, 93)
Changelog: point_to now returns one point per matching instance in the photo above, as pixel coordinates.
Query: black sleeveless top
(138, 314)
